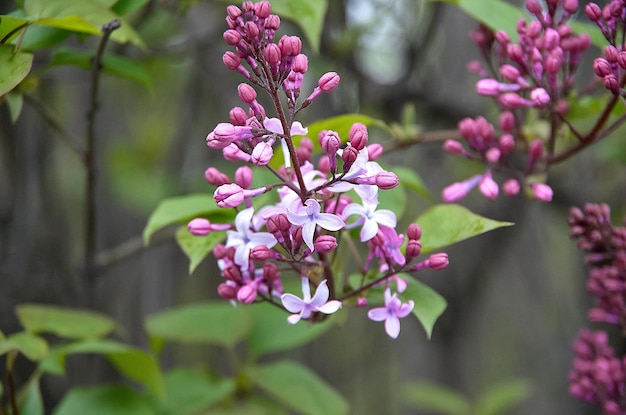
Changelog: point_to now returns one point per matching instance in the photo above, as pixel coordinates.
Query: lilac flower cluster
(312, 209)
(536, 73)
(598, 377)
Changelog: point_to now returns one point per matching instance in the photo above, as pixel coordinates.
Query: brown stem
(11, 382)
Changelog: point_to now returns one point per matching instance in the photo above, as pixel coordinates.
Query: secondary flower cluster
(598, 376)
(535, 73)
(313, 200)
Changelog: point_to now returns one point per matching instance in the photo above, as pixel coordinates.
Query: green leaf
(189, 392)
(29, 398)
(271, 333)
(308, 14)
(41, 37)
(90, 10)
(429, 304)
(298, 388)
(178, 210)
(103, 400)
(436, 398)
(502, 398)
(10, 24)
(115, 65)
(15, 101)
(124, 7)
(393, 199)
(33, 347)
(446, 224)
(64, 322)
(495, 14)
(14, 67)
(409, 179)
(201, 323)
(71, 23)
(197, 247)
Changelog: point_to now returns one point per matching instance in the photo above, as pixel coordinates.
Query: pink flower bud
(228, 195)
(262, 9)
(488, 187)
(247, 294)
(611, 83)
(232, 273)
(611, 53)
(290, 45)
(358, 135)
(278, 223)
(232, 37)
(246, 93)
(361, 302)
(506, 143)
(233, 153)
(231, 60)
(386, 180)
(509, 72)
(507, 121)
(621, 59)
(467, 128)
(374, 151)
(413, 249)
(488, 87)
(511, 101)
(325, 244)
(515, 52)
(251, 30)
(215, 177)
(270, 272)
(502, 37)
(533, 6)
(348, 156)
(535, 150)
(493, 155)
(570, 6)
(324, 164)
(199, 226)
(511, 187)
(272, 53)
(262, 153)
(328, 81)
(260, 253)
(227, 291)
(438, 261)
(220, 251)
(414, 232)
(453, 147)
(238, 116)
(552, 38)
(300, 64)
(272, 22)
(330, 142)
(541, 191)
(454, 192)
(540, 97)
(243, 177)
(593, 12)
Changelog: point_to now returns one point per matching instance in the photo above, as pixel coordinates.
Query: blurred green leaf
(410, 179)
(308, 14)
(15, 101)
(201, 323)
(64, 322)
(41, 37)
(182, 209)
(446, 224)
(32, 346)
(271, 333)
(115, 65)
(393, 199)
(439, 399)
(71, 23)
(297, 387)
(90, 10)
(429, 304)
(495, 14)
(196, 248)
(192, 391)
(29, 399)
(501, 399)
(14, 67)
(9, 25)
(103, 400)
(124, 7)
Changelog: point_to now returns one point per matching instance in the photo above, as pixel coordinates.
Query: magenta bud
(260, 253)
(227, 291)
(511, 187)
(502, 37)
(414, 232)
(330, 142)
(413, 249)
(247, 294)
(361, 302)
(251, 30)
(233, 11)
(263, 9)
(570, 6)
(536, 149)
(272, 22)
(493, 155)
(349, 156)
(220, 251)
(621, 59)
(232, 37)
(238, 116)
(374, 151)
(272, 53)
(611, 83)
(488, 87)
(300, 64)
(515, 52)
(509, 72)
(611, 53)
(328, 81)
(602, 67)
(488, 187)
(325, 244)
(231, 60)
(533, 6)
(593, 12)
(243, 177)
(506, 143)
(324, 164)
(467, 128)
(454, 192)
(247, 94)
(262, 154)
(358, 135)
(215, 177)
(278, 223)
(540, 97)
(199, 226)
(290, 45)
(541, 191)
(228, 195)
(270, 272)
(453, 147)
(232, 273)
(507, 121)
(438, 261)
(386, 180)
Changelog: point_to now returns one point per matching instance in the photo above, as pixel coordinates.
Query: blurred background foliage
(515, 297)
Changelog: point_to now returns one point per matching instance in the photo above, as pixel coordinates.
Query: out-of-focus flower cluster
(598, 376)
(298, 231)
(535, 73)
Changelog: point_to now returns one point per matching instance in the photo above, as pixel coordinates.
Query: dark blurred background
(516, 295)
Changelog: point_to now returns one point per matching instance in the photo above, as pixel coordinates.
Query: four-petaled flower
(303, 308)
(311, 217)
(245, 238)
(371, 217)
(391, 313)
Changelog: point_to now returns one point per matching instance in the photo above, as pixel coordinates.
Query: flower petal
(298, 129)
(274, 125)
(330, 222)
(378, 314)
(405, 309)
(321, 295)
(292, 303)
(293, 319)
(385, 217)
(392, 326)
(330, 307)
(369, 230)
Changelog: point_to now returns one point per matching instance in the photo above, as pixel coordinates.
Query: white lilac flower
(370, 218)
(244, 238)
(391, 313)
(311, 217)
(305, 306)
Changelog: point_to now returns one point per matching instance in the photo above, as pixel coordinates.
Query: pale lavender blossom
(370, 218)
(305, 306)
(391, 313)
(244, 239)
(311, 217)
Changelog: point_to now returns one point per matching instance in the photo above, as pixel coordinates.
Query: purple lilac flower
(312, 217)
(370, 218)
(391, 313)
(244, 239)
(302, 308)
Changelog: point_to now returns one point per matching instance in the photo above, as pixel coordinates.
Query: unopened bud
(199, 226)
(325, 244)
(386, 180)
(328, 81)
(374, 151)
(438, 261)
(227, 291)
